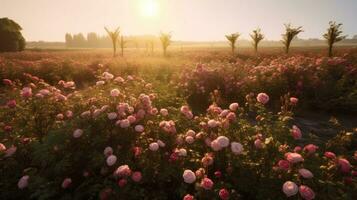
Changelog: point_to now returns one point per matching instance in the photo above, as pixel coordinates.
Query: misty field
(199, 123)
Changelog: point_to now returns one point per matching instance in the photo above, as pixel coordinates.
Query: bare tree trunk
(330, 50)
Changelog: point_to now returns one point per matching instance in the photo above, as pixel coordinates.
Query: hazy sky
(187, 19)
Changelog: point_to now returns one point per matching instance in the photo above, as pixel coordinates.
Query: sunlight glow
(149, 8)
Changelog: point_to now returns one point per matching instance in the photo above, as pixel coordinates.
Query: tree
(114, 37)
(92, 39)
(232, 38)
(122, 45)
(256, 36)
(69, 40)
(79, 40)
(152, 46)
(165, 39)
(11, 38)
(333, 35)
(290, 34)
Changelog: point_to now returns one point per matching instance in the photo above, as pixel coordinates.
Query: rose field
(197, 124)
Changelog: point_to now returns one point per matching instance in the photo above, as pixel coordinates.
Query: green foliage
(11, 38)
(165, 39)
(114, 35)
(256, 36)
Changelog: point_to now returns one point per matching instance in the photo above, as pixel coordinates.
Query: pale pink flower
(189, 139)
(305, 173)
(296, 132)
(164, 112)
(77, 133)
(212, 123)
(11, 103)
(69, 114)
(231, 116)
(161, 143)
(125, 123)
(139, 128)
(66, 183)
(262, 98)
(154, 146)
(306, 192)
(123, 171)
(23, 182)
(234, 106)
(310, 148)
(258, 144)
(114, 92)
(290, 188)
(207, 160)
(207, 183)
(59, 116)
(2, 147)
(122, 182)
(108, 151)
(131, 119)
(112, 115)
(107, 75)
(99, 83)
(294, 157)
(85, 114)
(119, 79)
(215, 145)
(182, 152)
(26, 92)
(189, 176)
(223, 141)
(111, 160)
(237, 148)
(191, 133)
(294, 100)
(136, 177)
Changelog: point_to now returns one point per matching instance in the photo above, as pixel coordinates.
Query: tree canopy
(11, 38)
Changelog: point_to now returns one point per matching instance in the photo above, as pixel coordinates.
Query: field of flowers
(200, 125)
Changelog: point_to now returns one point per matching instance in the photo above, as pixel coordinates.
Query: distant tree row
(92, 40)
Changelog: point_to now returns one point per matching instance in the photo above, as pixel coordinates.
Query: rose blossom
(294, 157)
(111, 160)
(123, 171)
(114, 92)
(283, 164)
(77, 133)
(23, 182)
(11, 103)
(223, 141)
(296, 132)
(262, 98)
(189, 139)
(189, 176)
(294, 100)
(26, 92)
(306, 173)
(329, 154)
(236, 148)
(136, 177)
(233, 106)
(66, 183)
(139, 128)
(112, 115)
(164, 112)
(207, 183)
(223, 194)
(154, 146)
(188, 197)
(345, 165)
(258, 144)
(290, 188)
(310, 148)
(2, 147)
(125, 123)
(108, 151)
(306, 192)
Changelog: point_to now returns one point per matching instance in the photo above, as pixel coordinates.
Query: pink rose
(123, 171)
(294, 100)
(290, 188)
(11, 103)
(108, 151)
(189, 176)
(111, 160)
(296, 132)
(2, 147)
(164, 112)
(258, 144)
(305, 173)
(66, 183)
(344, 165)
(114, 92)
(223, 194)
(188, 197)
(233, 106)
(329, 154)
(154, 146)
(284, 165)
(136, 177)
(122, 182)
(223, 141)
(262, 98)
(23, 182)
(207, 183)
(306, 192)
(26, 92)
(139, 128)
(294, 157)
(310, 148)
(77, 133)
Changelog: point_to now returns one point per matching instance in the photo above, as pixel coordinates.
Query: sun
(149, 8)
